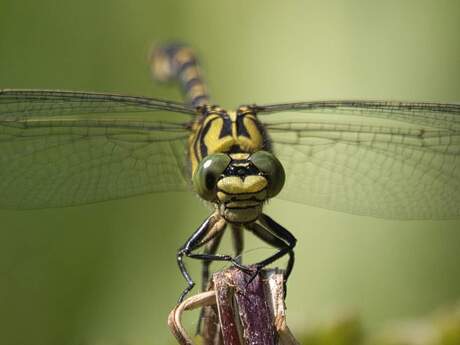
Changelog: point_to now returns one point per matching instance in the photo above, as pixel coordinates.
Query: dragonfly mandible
(386, 159)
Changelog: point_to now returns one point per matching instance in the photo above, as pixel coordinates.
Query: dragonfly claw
(254, 273)
(245, 269)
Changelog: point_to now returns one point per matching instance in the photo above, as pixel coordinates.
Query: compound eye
(208, 173)
(271, 168)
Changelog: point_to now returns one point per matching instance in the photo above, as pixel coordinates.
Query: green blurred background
(106, 273)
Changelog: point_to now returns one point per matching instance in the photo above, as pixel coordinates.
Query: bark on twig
(243, 308)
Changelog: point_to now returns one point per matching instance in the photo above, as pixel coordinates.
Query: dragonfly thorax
(217, 130)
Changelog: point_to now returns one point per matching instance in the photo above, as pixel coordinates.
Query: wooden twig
(238, 312)
(243, 309)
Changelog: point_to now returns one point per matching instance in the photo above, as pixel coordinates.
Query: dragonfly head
(239, 183)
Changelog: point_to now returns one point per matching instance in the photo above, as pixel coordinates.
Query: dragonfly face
(239, 183)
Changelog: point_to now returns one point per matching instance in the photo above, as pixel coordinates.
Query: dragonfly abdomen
(178, 62)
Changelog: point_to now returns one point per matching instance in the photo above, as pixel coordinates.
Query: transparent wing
(61, 148)
(384, 159)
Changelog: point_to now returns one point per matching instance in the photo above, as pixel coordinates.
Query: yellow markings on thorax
(212, 139)
(219, 131)
(256, 140)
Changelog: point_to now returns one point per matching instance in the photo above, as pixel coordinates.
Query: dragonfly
(388, 159)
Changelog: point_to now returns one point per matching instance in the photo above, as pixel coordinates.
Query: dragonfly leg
(277, 236)
(210, 228)
(238, 243)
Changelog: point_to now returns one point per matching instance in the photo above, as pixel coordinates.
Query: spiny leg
(208, 230)
(277, 236)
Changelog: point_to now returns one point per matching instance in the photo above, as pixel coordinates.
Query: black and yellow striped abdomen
(178, 62)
